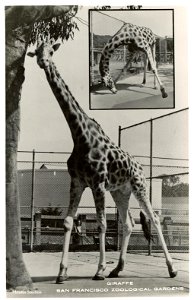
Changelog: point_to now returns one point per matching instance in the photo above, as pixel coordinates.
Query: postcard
(97, 170)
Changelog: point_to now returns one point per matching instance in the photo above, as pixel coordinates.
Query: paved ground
(143, 276)
(132, 94)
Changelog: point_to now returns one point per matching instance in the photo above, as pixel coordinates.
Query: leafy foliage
(172, 187)
(51, 211)
(60, 27)
(100, 40)
(170, 180)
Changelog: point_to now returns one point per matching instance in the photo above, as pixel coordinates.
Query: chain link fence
(44, 185)
(164, 144)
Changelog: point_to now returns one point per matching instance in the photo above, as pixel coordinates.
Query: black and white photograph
(97, 163)
(132, 59)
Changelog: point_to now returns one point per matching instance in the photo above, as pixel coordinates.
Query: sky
(159, 21)
(43, 126)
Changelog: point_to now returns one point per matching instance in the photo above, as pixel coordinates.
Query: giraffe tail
(145, 227)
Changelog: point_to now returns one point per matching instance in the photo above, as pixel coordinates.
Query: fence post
(32, 202)
(151, 156)
(165, 50)
(37, 228)
(118, 238)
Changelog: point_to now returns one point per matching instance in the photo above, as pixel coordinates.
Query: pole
(151, 162)
(118, 240)
(119, 136)
(32, 202)
(92, 51)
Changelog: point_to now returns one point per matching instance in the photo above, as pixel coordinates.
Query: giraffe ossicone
(98, 163)
(138, 39)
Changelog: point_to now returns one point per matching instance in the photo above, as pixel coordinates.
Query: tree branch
(17, 16)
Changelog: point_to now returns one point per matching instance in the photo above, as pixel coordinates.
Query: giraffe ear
(31, 54)
(56, 46)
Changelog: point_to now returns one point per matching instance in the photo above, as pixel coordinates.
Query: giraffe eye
(51, 53)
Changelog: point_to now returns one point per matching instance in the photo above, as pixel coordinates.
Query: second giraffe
(137, 39)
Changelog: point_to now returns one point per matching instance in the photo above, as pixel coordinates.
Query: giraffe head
(44, 52)
(109, 83)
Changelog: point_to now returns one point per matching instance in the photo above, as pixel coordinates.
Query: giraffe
(138, 39)
(96, 162)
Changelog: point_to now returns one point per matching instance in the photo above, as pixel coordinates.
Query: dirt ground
(143, 275)
(132, 94)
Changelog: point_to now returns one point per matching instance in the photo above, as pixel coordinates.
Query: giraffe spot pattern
(127, 33)
(95, 154)
(113, 179)
(94, 158)
(96, 143)
(93, 132)
(116, 38)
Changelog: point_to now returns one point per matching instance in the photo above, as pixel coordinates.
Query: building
(51, 200)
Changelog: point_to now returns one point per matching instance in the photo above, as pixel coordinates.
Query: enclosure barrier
(44, 192)
(161, 146)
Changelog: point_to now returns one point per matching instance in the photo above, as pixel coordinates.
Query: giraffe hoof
(113, 275)
(61, 279)
(114, 91)
(172, 272)
(164, 94)
(98, 277)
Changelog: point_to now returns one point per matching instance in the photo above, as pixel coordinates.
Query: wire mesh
(47, 197)
(165, 152)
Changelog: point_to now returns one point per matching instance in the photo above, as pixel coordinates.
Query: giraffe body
(138, 39)
(96, 162)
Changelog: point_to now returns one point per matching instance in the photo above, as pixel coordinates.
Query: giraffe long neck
(73, 113)
(108, 50)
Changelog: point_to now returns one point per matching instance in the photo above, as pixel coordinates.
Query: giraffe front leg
(76, 191)
(62, 275)
(122, 202)
(99, 197)
(102, 260)
(145, 69)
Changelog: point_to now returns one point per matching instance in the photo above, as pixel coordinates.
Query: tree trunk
(17, 275)
(19, 20)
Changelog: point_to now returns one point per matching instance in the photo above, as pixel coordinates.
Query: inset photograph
(132, 59)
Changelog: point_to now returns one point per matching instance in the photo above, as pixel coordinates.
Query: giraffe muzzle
(114, 90)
